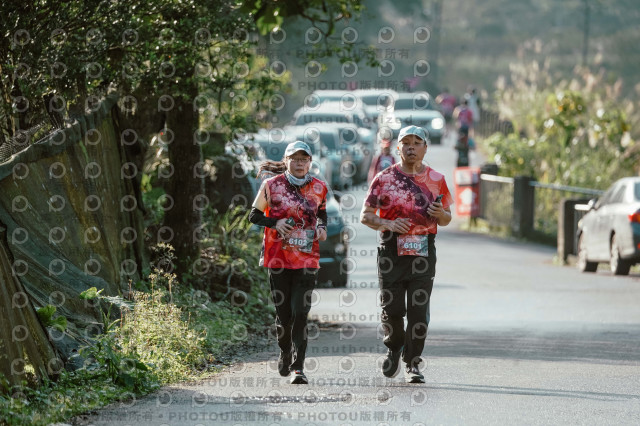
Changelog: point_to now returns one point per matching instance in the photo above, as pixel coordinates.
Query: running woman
(292, 207)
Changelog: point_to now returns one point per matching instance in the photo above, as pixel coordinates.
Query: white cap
(296, 146)
(413, 130)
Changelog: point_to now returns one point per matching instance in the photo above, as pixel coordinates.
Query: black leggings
(291, 294)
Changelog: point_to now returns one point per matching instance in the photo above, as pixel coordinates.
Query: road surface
(513, 339)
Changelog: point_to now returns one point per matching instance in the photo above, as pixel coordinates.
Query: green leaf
(59, 323)
(91, 293)
(46, 314)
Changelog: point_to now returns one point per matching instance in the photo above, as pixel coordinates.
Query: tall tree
(161, 55)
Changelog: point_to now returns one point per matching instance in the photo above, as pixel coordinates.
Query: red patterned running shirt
(285, 200)
(397, 194)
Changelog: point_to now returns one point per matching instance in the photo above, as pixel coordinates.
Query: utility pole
(435, 40)
(585, 40)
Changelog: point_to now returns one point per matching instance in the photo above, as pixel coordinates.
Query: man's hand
(401, 225)
(442, 215)
(369, 217)
(321, 233)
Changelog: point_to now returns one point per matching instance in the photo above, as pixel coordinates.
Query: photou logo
(313, 69)
(421, 68)
(349, 69)
(386, 35)
(386, 68)
(421, 35)
(349, 35)
(312, 35)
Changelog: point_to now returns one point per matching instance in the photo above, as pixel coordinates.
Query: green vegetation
(161, 332)
(573, 131)
(578, 131)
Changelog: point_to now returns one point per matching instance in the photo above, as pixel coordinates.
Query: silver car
(330, 139)
(610, 231)
(416, 109)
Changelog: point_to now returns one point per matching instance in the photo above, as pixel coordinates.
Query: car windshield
(328, 140)
(419, 102)
(636, 191)
(375, 99)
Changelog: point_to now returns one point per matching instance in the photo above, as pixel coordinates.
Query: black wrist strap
(322, 218)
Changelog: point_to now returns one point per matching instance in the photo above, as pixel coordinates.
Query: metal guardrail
(532, 209)
(496, 200)
(576, 189)
(494, 178)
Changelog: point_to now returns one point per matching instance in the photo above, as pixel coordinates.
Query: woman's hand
(283, 227)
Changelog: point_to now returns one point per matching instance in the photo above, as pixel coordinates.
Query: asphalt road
(513, 339)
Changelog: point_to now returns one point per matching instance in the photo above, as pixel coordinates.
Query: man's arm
(442, 215)
(369, 217)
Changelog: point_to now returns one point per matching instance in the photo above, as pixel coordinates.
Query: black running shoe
(298, 378)
(391, 364)
(412, 374)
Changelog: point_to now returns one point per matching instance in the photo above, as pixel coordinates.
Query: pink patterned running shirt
(397, 194)
(285, 200)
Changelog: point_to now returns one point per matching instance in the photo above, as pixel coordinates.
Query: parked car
(610, 230)
(377, 102)
(416, 109)
(339, 156)
(359, 143)
(345, 100)
(333, 112)
(334, 250)
(336, 114)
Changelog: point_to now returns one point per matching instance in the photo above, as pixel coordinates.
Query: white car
(417, 109)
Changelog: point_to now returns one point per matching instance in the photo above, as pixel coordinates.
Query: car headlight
(437, 123)
(339, 248)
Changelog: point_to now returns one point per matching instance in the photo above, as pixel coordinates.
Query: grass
(159, 333)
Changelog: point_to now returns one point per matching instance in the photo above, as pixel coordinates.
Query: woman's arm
(257, 213)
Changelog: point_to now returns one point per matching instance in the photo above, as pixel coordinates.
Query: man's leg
(392, 295)
(419, 288)
(418, 315)
(393, 312)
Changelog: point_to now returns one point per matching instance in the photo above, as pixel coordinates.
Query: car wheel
(583, 264)
(618, 265)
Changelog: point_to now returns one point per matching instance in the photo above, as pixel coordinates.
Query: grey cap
(296, 146)
(413, 130)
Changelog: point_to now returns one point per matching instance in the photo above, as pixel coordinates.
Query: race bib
(299, 240)
(413, 245)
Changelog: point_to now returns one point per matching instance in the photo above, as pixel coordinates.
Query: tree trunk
(182, 221)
